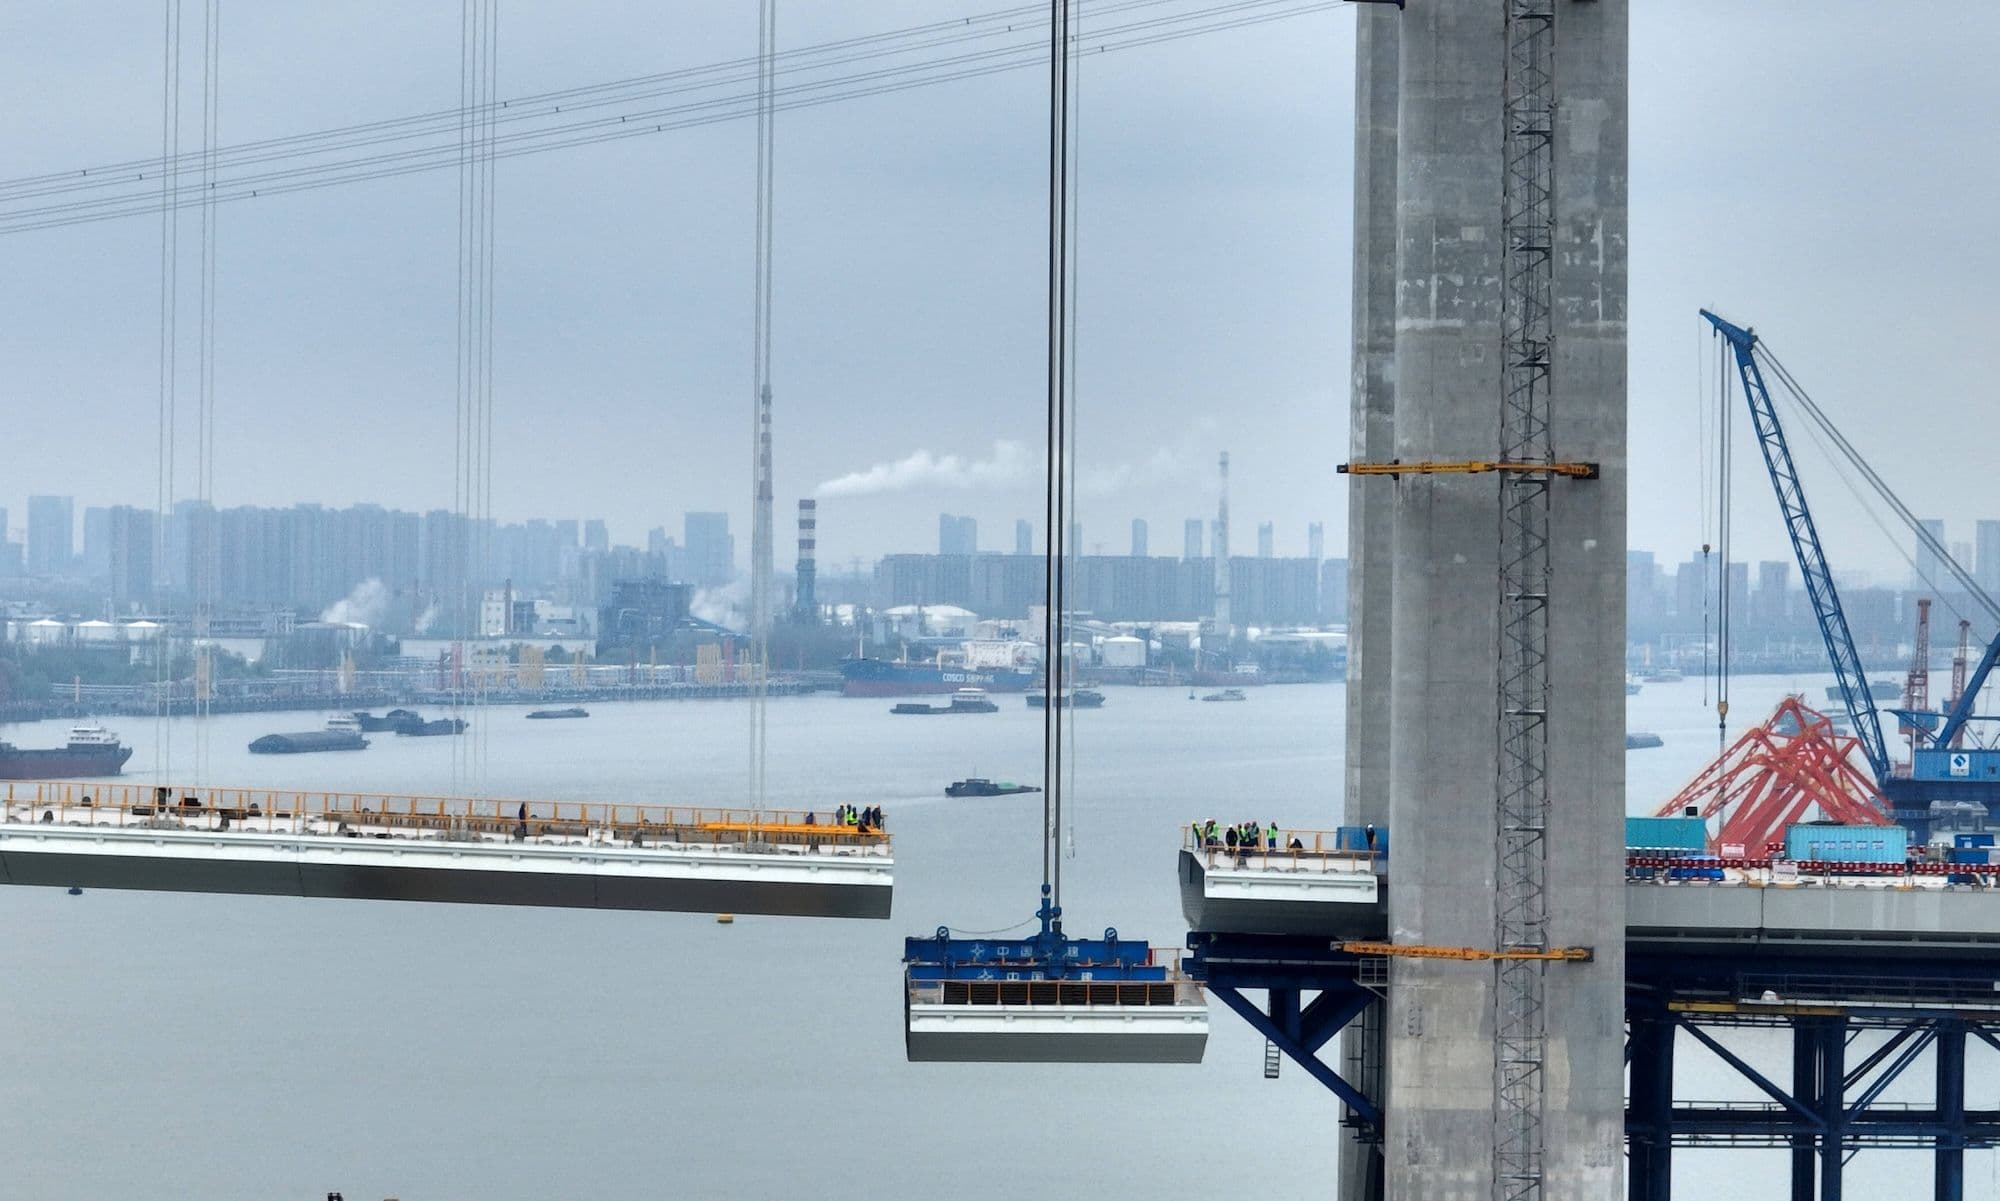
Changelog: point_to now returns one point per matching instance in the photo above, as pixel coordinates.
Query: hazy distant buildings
(595, 536)
(711, 551)
(1191, 538)
(957, 535)
(1986, 555)
(1024, 537)
(1139, 537)
(51, 530)
(1108, 587)
(132, 532)
(1315, 540)
(97, 543)
(1267, 540)
(1930, 572)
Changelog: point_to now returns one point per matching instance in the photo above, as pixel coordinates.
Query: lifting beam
(1575, 471)
(1470, 954)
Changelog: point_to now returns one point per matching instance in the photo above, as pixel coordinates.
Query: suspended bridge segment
(370, 846)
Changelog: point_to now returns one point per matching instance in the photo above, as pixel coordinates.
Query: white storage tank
(1123, 650)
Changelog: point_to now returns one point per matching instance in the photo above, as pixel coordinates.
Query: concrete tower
(1494, 301)
(1370, 508)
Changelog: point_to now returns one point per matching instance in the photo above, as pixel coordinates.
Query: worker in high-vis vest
(852, 816)
(1272, 841)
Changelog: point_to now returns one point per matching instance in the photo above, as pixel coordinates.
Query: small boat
(1227, 694)
(552, 714)
(1666, 675)
(965, 700)
(1082, 698)
(1632, 685)
(981, 786)
(1638, 740)
(431, 729)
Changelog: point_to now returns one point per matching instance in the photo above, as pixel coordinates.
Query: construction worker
(852, 818)
(1272, 836)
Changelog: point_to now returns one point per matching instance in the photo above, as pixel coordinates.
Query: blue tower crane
(1939, 772)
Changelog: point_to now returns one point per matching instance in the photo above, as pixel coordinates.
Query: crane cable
(169, 339)
(1852, 455)
(1055, 497)
(1724, 477)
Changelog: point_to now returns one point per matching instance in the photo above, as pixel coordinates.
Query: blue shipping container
(1829, 843)
(1680, 835)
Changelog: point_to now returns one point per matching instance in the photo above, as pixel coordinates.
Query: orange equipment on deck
(1777, 774)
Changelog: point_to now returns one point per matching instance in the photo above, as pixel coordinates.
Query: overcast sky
(1825, 171)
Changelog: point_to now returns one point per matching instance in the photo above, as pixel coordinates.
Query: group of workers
(861, 821)
(1242, 837)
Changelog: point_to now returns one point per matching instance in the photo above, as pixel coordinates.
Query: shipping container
(1826, 842)
(1674, 835)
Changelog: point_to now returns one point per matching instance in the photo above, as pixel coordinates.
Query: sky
(1822, 171)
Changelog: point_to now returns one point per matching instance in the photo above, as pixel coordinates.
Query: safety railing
(1175, 990)
(280, 811)
(1291, 850)
(1782, 873)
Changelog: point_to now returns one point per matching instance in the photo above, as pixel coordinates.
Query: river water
(221, 1047)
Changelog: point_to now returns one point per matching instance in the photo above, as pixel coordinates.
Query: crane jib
(1804, 536)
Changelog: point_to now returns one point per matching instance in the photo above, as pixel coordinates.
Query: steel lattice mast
(1527, 232)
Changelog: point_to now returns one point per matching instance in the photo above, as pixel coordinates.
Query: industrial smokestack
(808, 569)
(762, 560)
(1222, 557)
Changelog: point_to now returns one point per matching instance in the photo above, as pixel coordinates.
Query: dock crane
(1941, 771)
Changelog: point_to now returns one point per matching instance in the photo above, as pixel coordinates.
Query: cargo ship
(994, 666)
(91, 750)
(342, 733)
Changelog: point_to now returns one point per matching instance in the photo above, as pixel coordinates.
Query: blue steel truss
(1830, 1107)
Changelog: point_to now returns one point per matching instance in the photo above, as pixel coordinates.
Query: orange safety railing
(464, 818)
(1296, 850)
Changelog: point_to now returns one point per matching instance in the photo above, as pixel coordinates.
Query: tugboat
(965, 700)
(1082, 698)
(92, 750)
(1227, 694)
(981, 786)
(1639, 740)
(552, 714)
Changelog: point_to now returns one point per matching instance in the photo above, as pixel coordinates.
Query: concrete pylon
(1370, 507)
(1443, 710)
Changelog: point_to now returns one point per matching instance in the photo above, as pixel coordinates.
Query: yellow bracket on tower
(1575, 471)
(1479, 954)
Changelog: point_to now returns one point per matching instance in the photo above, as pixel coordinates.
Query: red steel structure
(1917, 685)
(1792, 768)
(1958, 663)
